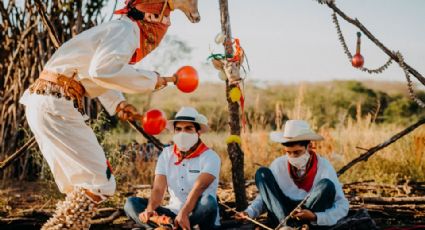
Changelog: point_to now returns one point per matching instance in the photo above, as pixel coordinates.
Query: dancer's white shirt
(100, 56)
(181, 178)
(279, 168)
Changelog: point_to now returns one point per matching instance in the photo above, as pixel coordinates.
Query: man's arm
(204, 180)
(157, 194)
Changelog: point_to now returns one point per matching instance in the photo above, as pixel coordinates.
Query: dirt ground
(26, 205)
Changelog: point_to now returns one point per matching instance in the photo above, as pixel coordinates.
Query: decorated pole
(233, 148)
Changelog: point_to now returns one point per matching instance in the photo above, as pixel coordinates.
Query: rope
(409, 81)
(348, 53)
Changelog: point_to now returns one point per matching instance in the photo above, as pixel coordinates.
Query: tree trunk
(235, 153)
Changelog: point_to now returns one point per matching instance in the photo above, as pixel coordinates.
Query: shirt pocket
(192, 175)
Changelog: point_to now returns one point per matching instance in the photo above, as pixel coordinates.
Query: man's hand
(241, 216)
(127, 112)
(182, 221)
(305, 214)
(144, 216)
(160, 83)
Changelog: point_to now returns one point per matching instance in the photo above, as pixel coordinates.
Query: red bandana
(305, 181)
(201, 148)
(151, 33)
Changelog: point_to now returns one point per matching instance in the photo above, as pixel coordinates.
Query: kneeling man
(190, 171)
(290, 178)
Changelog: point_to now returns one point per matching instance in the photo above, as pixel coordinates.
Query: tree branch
(365, 156)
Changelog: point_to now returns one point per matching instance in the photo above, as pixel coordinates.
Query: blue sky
(295, 40)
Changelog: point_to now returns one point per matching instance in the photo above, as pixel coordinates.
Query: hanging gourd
(358, 59)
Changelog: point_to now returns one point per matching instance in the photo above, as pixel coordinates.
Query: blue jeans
(279, 205)
(204, 213)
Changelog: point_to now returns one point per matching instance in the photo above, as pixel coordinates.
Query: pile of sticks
(389, 204)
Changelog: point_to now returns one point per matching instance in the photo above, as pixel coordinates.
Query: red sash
(151, 33)
(201, 148)
(305, 181)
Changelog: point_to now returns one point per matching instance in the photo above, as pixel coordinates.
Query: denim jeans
(279, 205)
(204, 213)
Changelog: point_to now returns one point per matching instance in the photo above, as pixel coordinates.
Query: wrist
(185, 211)
(150, 208)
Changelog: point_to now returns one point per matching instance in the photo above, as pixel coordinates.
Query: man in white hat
(190, 170)
(290, 178)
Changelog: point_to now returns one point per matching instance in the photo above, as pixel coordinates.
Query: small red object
(154, 121)
(187, 79)
(358, 59)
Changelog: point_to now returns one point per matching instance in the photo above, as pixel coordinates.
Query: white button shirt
(182, 177)
(100, 56)
(279, 168)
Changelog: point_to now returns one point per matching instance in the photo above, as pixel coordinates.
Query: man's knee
(132, 204)
(262, 173)
(326, 186)
(208, 203)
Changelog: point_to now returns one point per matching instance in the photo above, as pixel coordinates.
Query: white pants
(69, 146)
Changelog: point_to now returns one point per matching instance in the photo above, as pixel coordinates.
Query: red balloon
(154, 121)
(357, 60)
(187, 79)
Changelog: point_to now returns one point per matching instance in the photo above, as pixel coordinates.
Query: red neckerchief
(305, 181)
(201, 148)
(151, 33)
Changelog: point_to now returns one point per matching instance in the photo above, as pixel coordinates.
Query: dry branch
(18, 153)
(391, 200)
(365, 156)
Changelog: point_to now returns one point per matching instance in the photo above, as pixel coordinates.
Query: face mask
(299, 162)
(185, 141)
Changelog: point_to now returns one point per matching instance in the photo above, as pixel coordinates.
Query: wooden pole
(233, 149)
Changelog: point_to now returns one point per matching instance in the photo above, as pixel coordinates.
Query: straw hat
(191, 115)
(295, 130)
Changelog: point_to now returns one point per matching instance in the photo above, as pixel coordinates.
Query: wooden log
(390, 200)
(108, 219)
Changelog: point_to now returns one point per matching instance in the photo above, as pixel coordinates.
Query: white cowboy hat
(191, 115)
(295, 130)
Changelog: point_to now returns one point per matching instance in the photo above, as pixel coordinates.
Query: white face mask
(299, 162)
(185, 141)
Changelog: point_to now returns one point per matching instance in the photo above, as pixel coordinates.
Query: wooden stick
(52, 31)
(392, 200)
(365, 156)
(150, 138)
(359, 25)
(285, 220)
(108, 219)
(29, 144)
(247, 218)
